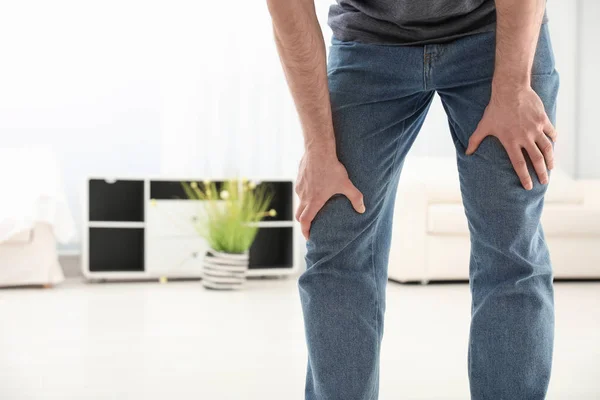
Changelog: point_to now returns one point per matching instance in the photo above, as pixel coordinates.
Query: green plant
(229, 212)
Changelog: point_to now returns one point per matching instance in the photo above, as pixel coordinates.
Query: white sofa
(430, 238)
(34, 216)
(30, 258)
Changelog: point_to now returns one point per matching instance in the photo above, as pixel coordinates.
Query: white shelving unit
(142, 228)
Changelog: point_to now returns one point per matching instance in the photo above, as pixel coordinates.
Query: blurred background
(105, 107)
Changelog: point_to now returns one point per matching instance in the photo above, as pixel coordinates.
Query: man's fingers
(520, 165)
(538, 161)
(307, 216)
(545, 146)
(307, 211)
(550, 131)
(355, 197)
(475, 140)
(301, 208)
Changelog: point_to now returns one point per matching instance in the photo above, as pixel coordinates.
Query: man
(491, 63)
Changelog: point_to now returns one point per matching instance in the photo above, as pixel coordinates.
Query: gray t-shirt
(410, 21)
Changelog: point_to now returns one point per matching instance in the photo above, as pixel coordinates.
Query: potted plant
(228, 221)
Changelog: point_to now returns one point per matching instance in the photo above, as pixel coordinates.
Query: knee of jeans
(513, 234)
(506, 217)
(505, 222)
(508, 244)
(496, 203)
(340, 237)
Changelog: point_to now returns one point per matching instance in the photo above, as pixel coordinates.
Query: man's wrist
(503, 84)
(325, 146)
(511, 79)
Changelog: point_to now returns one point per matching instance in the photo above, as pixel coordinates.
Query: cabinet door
(177, 257)
(282, 201)
(119, 201)
(272, 248)
(167, 218)
(116, 250)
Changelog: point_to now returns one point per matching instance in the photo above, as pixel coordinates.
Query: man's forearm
(517, 31)
(302, 52)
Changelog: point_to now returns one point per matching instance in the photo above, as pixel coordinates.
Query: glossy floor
(178, 341)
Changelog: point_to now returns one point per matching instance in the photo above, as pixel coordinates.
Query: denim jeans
(380, 95)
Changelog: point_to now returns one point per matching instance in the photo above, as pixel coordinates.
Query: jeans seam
(470, 368)
(371, 245)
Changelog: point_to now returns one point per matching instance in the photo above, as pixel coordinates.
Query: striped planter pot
(224, 271)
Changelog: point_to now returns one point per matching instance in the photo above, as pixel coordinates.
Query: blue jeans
(380, 95)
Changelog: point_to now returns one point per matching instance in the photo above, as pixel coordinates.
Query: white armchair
(430, 238)
(33, 216)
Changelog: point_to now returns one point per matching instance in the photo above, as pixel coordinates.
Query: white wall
(588, 142)
(227, 110)
(81, 77)
(563, 30)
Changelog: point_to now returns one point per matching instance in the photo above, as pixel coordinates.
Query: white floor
(177, 341)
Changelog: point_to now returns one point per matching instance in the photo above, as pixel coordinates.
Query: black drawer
(120, 201)
(116, 249)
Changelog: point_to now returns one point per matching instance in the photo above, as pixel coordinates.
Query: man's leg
(511, 340)
(378, 107)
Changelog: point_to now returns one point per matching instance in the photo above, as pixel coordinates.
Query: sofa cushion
(557, 220)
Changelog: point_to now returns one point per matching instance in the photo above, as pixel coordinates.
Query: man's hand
(321, 176)
(516, 116)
